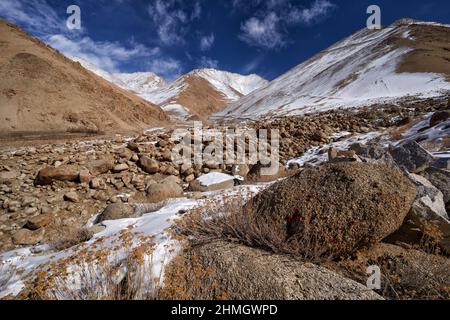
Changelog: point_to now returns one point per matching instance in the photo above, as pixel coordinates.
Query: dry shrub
(187, 278)
(93, 271)
(231, 222)
(431, 238)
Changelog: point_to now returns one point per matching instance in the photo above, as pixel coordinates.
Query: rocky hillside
(405, 59)
(44, 93)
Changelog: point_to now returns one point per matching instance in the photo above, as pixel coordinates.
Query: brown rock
(39, 221)
(336, 208)
(62, 173)
(27, 237)
(100, 166)
(150, 166)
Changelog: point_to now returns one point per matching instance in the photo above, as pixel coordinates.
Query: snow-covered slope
(198, 93)
(138, 82)
(363, 69)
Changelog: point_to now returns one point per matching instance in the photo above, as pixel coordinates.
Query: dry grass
(128, 279)
(231, 222)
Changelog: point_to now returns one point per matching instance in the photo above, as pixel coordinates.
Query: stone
(125, 153)
(116, 211)
(84, 176)
(335, 209)
(63, 173)
(39, 221)
(97, 183)
(164, 190)
(27, 237)
(150, 166)
(98, 167)
(412, 274)
(120, 167)
(211, 182)
(236, 272)
(429, 204)
(240, 170)
(71, 196)
(439, 117)
(440, 179)
(412, 157)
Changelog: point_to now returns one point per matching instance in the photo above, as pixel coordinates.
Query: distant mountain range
(195, 95)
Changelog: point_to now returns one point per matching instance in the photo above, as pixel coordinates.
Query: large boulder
(27, 237)
(335, 209)
(439, 117)
(429, 208)
(221, 270)
(101, 166)
(412, 157)
(163, 190)
(406, 273)
(116, 211)
(440, 179)
(212, 181)
(62, 173)
(429, 204)
(149, 165)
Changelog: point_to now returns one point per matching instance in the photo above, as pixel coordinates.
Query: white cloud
(318, 10)
(34, 15)
(207, 42)
(270, 20)
(172, 20)
(262, 32)
(205, 62)
(168, 68)
(103, 54)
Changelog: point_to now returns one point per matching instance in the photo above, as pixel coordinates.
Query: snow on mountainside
(406, 59)
(197, 94)
(138, 82)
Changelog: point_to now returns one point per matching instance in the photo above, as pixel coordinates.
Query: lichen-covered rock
(224, 270)
(335, 208)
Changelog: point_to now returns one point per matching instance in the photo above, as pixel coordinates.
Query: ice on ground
(214, 178)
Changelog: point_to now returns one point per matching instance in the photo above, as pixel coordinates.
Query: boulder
(439, 117)
(62, 173)
(27, 237)
(240, 170)
(149, 165)
(84, 176)
(164, 190)
(102, 166)
(335, 209)
(412, 157)
(407, 274)
(212, 181)
(373, 152)
(429, 204)
(116, 211)
(120, 167)
(429, 208)
(39, 221)
(222, 270)
(440, 179)
(71, 196)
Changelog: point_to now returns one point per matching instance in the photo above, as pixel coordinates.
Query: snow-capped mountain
(405, 59)
(138, 82)
(197, 94)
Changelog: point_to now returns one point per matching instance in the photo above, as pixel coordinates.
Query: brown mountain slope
(43, 92)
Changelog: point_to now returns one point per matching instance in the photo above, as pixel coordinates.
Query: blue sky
(172, 37)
